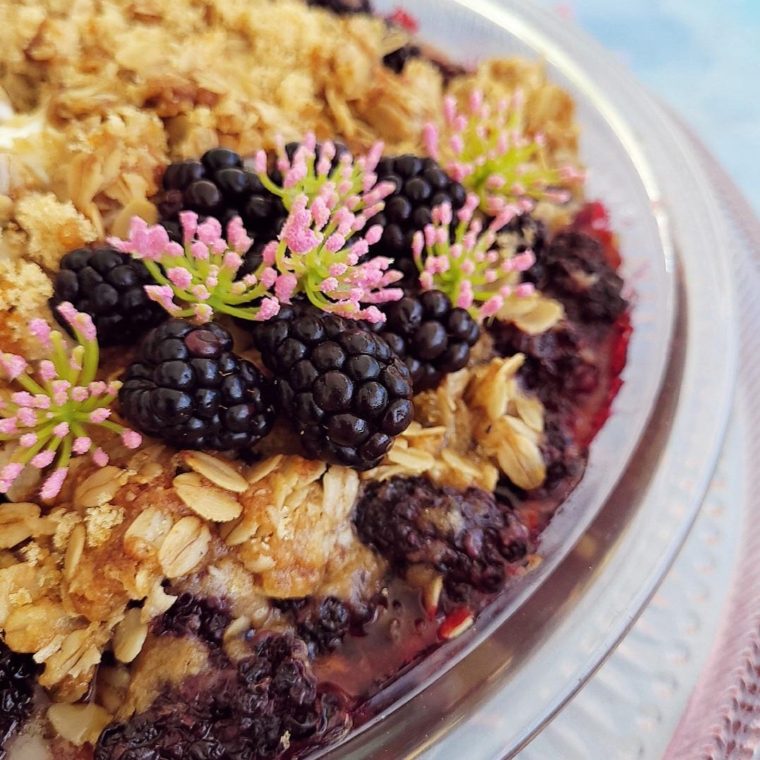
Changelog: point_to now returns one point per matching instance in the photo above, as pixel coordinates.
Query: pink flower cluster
(49, 416)
(314, 170)
(474, 274)
(202, 273)
(492, 153)
(320, 254)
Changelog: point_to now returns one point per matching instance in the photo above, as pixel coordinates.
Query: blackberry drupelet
(220, 186)
(17, 672)
(421, 185)
(431, 336)
(573, 269)
(340, 385)
(467, 536)
(109, 286)
(343, 7)
(253, 709)
(193, 616)
(188, 388)
(528, 232)
(323, 622)
(397, 59)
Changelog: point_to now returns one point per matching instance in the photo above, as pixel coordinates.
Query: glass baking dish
(485, 694)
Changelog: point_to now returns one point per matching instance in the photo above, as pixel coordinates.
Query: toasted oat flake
(207, 501)
(79, 724)
(129, 636)
(217, 471)
(184, 547)
(100, 487)
(74, 550)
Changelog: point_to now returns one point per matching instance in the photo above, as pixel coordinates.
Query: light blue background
(701, 56)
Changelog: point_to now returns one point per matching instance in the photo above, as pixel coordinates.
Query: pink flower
(61, 430)
(131, 439)
(82, 445)
(12, 365)
(42, 460)
(189, 222)
(270, 307)
(100, 457)
(285, 286)
(52, 486)
(100, 415)
(179, 277)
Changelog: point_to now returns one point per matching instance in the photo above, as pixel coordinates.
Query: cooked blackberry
(188, 388)
(109, 286)
(343, 7)
(467, 536)
(17, 672)
(219, 185)
(528, 233)
(323, 622)
(556, 367)
(396, 60)
(421, 185)
(431, 336)
(192, 616)
(340, 385)
(263, 706)
(573, 269)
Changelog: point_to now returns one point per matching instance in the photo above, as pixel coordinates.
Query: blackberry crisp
(467, 536)
(342, 386)
(17, 672)
(573, 269)
(256, 708)
(431, 336)
(420, 185)
(109, 286)
(188, 388)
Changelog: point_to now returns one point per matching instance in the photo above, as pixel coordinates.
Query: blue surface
(701, 56)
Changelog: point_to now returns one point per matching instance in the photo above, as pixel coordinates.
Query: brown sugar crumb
(24, 292)
(53, 227)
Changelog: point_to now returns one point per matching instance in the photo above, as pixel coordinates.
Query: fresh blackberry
(343, 7)
(467, 536)
(342, 386)
(257, 708)
(188, 388)
(420, 185)
(17, 673)
(431, 336)
(109, 286)
(573, 268)
(219, 185)
(193, 616)
(323, 622)
(396, 60)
